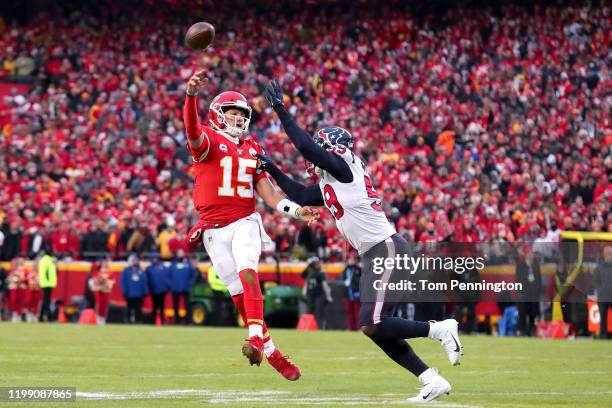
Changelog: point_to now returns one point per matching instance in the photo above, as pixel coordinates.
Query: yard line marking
(273, 397)
(270, 397)
(344, 400)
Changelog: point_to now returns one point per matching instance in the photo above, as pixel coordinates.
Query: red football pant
(101, 303)
(16, 300)
(33, 301)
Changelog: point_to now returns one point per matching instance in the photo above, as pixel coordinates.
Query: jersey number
(377, 205)
(226, 189)
(331, 201)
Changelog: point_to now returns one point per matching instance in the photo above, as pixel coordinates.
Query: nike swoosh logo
(457, 350)
(425, 397)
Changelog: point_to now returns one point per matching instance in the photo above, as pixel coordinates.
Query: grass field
(139, 366)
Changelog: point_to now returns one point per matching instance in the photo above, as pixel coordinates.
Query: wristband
(190, 94)
(289, 207)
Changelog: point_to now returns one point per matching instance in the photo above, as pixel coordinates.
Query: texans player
(225, 181)
(347, 191)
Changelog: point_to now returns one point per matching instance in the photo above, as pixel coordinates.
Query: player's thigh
(218, 244)
(378, 302)
(246, 245)
(375, 312)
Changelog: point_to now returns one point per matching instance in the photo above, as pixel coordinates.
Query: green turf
(339, 368)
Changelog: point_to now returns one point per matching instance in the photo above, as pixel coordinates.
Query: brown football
(200, 36)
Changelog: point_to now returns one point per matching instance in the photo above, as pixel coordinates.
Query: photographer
(316, 290)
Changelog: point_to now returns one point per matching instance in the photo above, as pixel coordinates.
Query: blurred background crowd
(480, 123)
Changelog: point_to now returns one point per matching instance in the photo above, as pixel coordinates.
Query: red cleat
(253, 349)
(282, 364)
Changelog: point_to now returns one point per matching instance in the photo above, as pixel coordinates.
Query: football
(200, 36)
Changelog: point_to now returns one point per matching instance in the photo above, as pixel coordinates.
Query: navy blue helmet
(333, 135)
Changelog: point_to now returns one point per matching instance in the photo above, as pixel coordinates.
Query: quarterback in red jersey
(226, 179)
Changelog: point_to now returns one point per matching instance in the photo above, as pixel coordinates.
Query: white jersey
(356, 206)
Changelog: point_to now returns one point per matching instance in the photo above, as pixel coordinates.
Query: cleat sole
(254, 356)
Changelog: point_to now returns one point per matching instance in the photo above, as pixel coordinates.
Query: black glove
(266, 161)
(273, 94)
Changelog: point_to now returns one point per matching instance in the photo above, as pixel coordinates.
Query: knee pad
(235, 287)
(248, 260)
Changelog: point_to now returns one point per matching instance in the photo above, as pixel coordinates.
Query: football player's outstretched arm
(301, 194)
(195, 133)
(311, 151)
(273, 198)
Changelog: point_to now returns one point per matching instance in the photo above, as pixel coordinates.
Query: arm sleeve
(259, 172)
(297, 192)
(193, 128)
(312, 152)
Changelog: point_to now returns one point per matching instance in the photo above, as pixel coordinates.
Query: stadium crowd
(476, 124)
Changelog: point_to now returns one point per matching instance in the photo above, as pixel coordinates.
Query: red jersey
(225, 174)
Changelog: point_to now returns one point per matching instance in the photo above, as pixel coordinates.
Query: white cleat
(446, 331)
(433, 387)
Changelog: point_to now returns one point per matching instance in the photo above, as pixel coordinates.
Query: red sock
(239, 303)
(253, 300)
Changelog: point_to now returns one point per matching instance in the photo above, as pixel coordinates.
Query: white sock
(427, 375)
(435, 331)
(269, 347)
(255, 330)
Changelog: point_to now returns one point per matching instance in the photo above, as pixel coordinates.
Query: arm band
(289, 207)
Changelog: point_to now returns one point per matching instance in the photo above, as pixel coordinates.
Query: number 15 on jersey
(242, 184)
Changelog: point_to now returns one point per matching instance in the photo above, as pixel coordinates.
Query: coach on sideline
(158, 277)
(182, 277)
(47, 278)
(135, 287)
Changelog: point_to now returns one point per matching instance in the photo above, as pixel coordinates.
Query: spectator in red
(489, 113)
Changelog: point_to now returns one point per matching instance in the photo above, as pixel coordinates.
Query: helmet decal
(218, 118)
(334, 135)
